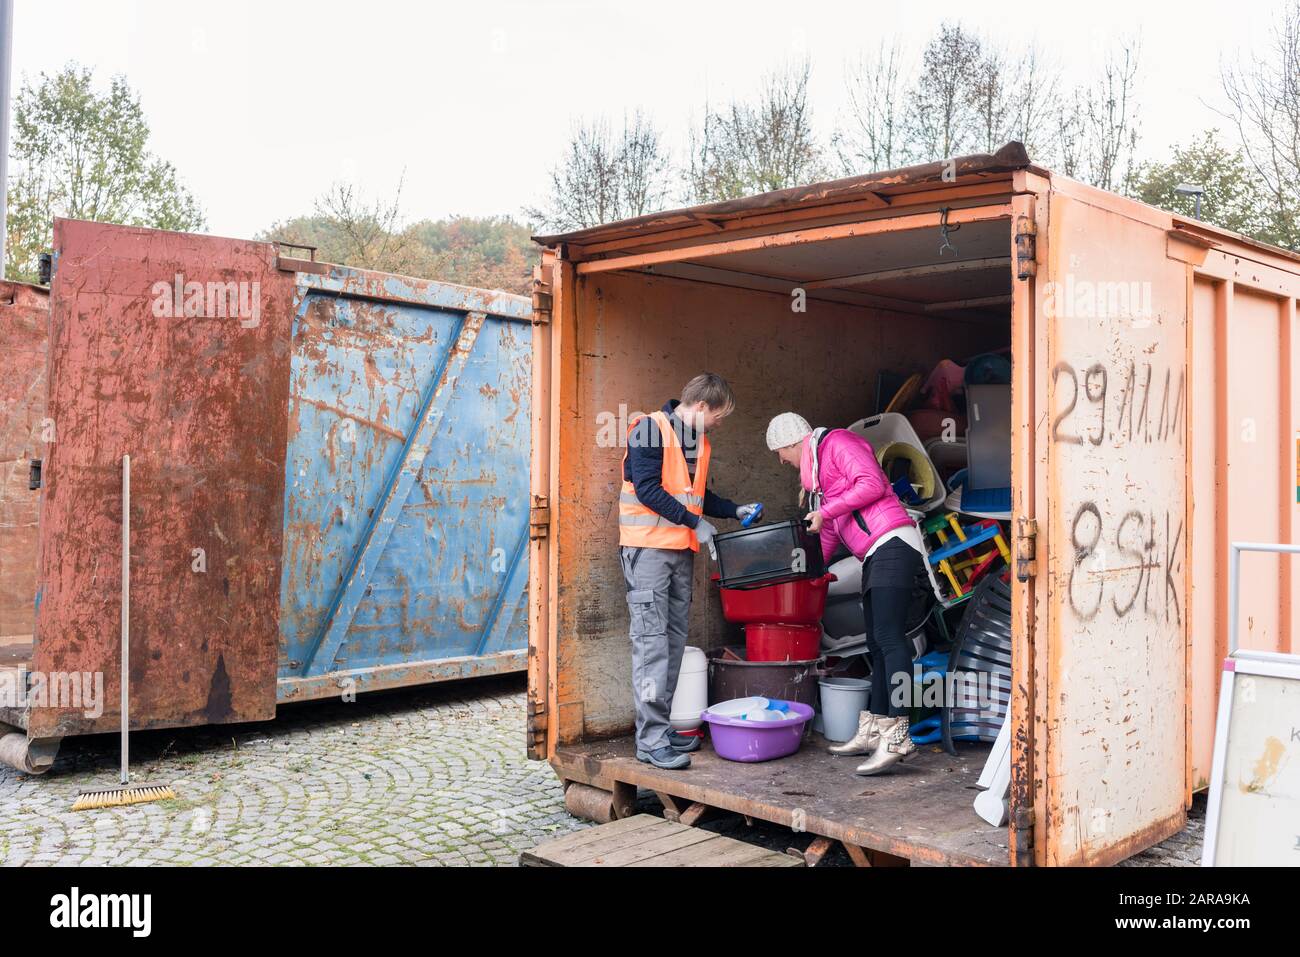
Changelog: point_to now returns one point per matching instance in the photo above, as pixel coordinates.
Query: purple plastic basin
(739, 740)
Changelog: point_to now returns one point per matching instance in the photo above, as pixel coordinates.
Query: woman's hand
(814, 520)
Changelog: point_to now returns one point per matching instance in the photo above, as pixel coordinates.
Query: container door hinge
(1024, 821)
(536, 731)
(1026, 248)
(1026, 537)
(541, 295)
(539, 518)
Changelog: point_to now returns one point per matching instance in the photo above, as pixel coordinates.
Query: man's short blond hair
(711, 389)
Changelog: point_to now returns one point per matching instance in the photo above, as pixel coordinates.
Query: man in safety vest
(661, 525)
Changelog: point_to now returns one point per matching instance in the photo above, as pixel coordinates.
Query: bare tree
(606, 176)
(942, 120)
(1089, 132)
(1265, 100)
(370, 230)
(347, 228)
(1110, 120)
(1037, 100)
(969, 95)
(644, 169)
(874, 138)
(993, 97)
(757, 147)
(1065, 129)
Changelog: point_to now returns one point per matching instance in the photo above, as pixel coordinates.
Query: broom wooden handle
(126, 614)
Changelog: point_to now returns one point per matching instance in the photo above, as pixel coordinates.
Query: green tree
(492, 252)
(1235, 196)
(83, 154)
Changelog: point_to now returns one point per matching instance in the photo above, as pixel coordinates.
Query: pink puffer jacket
(858, 504)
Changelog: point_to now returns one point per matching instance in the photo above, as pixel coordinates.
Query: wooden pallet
(644, 840)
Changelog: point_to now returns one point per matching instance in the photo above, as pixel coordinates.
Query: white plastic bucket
(843, 699)
(692, 694)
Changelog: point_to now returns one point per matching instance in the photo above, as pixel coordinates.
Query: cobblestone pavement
(430, 776)
(424, 776)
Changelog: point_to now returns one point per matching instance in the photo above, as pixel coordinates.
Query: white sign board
(1253, 818)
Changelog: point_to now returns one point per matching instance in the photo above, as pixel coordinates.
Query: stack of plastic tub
(773, 581)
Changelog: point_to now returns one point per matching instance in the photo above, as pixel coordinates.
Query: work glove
(704, 533)
(748, 514)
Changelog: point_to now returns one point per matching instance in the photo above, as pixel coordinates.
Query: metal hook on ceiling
(945, 230)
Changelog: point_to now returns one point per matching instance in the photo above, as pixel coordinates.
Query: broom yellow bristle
(120, 797)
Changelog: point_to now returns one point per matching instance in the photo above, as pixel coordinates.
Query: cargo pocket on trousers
(646, 617)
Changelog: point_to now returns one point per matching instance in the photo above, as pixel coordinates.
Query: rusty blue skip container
(406, 484)
(329, 482)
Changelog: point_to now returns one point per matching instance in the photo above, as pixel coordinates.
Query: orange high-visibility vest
(643, 527)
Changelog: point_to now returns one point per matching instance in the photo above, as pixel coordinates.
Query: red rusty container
(782, 642)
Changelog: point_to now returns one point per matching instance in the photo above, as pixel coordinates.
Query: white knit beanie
(786, 429)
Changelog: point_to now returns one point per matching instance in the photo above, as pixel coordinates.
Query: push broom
(124, 794)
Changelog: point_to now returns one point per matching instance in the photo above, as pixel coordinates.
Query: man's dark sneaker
(665, 758)
(683, 743)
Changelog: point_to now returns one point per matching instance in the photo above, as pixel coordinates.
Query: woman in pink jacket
(853, 503)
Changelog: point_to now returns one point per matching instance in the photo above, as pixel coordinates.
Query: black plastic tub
(768, 555)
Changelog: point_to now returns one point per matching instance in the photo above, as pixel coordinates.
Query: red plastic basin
(767, 642)
(791, 603)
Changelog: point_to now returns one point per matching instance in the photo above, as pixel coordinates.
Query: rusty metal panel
(406, 510)
(1115, 693)
(175, 349)
(24, 317)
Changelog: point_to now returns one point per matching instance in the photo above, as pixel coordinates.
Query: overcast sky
(263, 105)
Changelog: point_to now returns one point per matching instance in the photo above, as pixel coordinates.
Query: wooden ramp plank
(586, 836)
(715, 854)
(590, 854)
(644, 840)
(681, 837)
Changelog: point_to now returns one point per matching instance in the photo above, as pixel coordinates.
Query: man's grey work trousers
(659, 583)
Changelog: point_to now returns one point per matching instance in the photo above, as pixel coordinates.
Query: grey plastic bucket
(842, 700)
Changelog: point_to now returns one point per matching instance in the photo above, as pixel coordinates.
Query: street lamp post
(1191, 189)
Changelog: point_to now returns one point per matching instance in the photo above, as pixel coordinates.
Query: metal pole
(126, 614)
(1234, 574)
(1234, 570)
(6, 75)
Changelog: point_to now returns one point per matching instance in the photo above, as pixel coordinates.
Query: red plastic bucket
(782, 642)
(794, 603)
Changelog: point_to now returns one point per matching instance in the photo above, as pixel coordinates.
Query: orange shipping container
(1154, 415)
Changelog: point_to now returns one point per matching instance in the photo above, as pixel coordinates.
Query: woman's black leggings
(885, 610)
